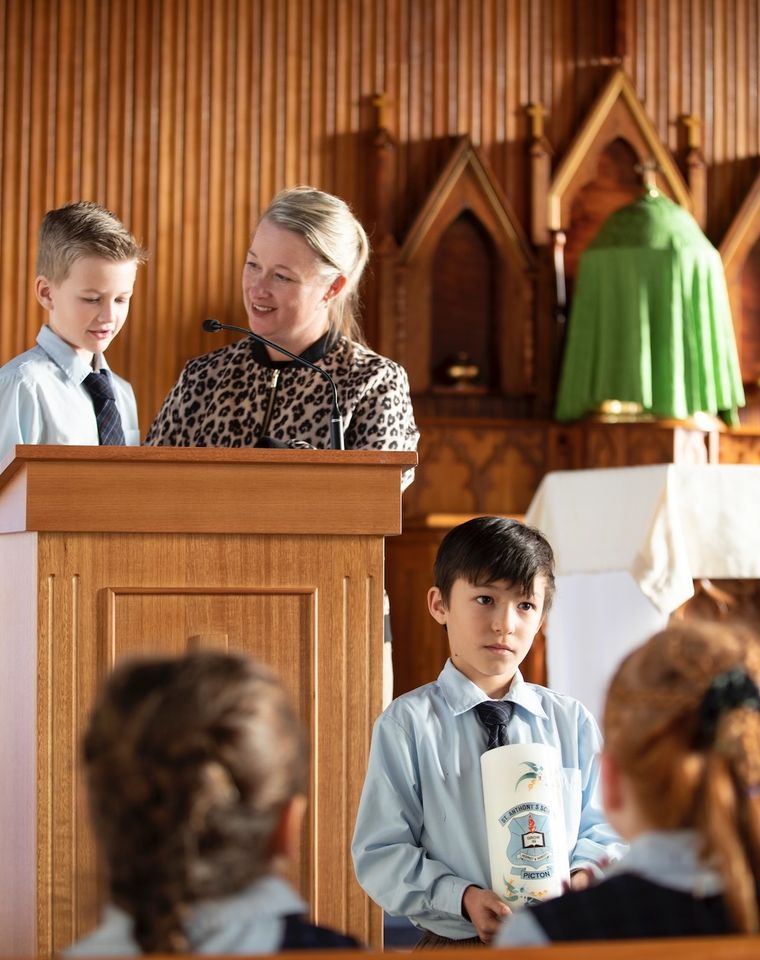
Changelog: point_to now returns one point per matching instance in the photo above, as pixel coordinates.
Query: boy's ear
(436, 606)
(43, 292)
(287, 834)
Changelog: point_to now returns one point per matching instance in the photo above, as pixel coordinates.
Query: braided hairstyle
(682, 722)
(189, 764)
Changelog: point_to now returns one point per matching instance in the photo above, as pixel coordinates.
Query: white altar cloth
(628, 544)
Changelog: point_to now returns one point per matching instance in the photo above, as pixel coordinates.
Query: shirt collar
(670, 858)
(461, 694)
(66, 357)
(270, 896)
(315, 352)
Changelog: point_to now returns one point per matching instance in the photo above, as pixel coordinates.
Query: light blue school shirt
(252, 921)
(43, 400)
(669, 858)
(420, 837)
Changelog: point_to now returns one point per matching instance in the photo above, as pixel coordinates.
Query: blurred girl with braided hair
(681, 783)
(196, 770)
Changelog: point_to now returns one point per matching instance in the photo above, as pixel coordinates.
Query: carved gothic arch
(597, 175)
(465, 211)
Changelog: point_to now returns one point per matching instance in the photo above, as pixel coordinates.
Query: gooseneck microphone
(336, 419)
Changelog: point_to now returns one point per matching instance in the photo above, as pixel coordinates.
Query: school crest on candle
(529, 851)
(526, 838)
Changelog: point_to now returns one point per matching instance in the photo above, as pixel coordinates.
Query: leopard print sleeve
(381, 415)
(167, 427)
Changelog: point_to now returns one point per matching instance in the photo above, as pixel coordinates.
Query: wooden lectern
(108, 552)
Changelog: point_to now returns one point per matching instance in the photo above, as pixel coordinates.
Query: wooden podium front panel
(309, 606)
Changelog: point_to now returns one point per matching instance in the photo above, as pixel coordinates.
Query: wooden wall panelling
(703, 61)
(198, 111)
(477, 466)
(420, 646)
(630, 444)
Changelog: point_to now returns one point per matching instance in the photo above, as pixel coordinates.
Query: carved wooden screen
(464, 279)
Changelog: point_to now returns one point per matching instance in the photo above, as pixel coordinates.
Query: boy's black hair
(486, 549)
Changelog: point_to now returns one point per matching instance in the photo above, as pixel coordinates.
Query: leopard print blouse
(237, 394)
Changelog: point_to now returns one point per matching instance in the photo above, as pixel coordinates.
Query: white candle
(527, 843)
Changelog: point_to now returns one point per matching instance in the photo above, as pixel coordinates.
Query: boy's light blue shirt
(420, 836)
(42, 399)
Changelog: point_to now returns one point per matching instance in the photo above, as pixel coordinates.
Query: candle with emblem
(527, 838)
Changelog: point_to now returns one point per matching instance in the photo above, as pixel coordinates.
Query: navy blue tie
(494, 715)
(110, 431)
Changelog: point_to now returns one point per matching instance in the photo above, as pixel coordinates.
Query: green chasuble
(650, 320)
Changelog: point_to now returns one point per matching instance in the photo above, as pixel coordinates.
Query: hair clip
(727, 691)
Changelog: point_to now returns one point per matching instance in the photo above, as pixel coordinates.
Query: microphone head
(211, 325)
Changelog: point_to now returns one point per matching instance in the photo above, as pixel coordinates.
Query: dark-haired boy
(420, 846)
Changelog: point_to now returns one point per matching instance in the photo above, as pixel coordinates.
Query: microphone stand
(336, 419)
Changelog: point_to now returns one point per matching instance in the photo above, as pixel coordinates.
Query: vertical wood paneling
(439, 72)
(673, 99)
(752, 81)
(736, 67)
(22, 184)
(186, 116)
(9, 222)
(720, 141)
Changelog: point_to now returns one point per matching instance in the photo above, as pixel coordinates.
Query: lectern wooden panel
(108, 553)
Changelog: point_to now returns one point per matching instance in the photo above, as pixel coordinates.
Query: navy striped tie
(494, 715)
(110, 431)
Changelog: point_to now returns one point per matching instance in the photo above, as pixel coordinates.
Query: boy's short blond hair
(82, 229)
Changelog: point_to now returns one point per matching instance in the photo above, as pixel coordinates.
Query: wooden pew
(691, 948)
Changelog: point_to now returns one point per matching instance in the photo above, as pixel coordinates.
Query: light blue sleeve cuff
(449, 898)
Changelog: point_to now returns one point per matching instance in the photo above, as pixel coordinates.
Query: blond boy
(62, 390)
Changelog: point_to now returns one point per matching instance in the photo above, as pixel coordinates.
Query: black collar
(313, 353)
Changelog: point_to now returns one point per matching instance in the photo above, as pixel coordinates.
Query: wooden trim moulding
(201, 490)
(467, 156)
